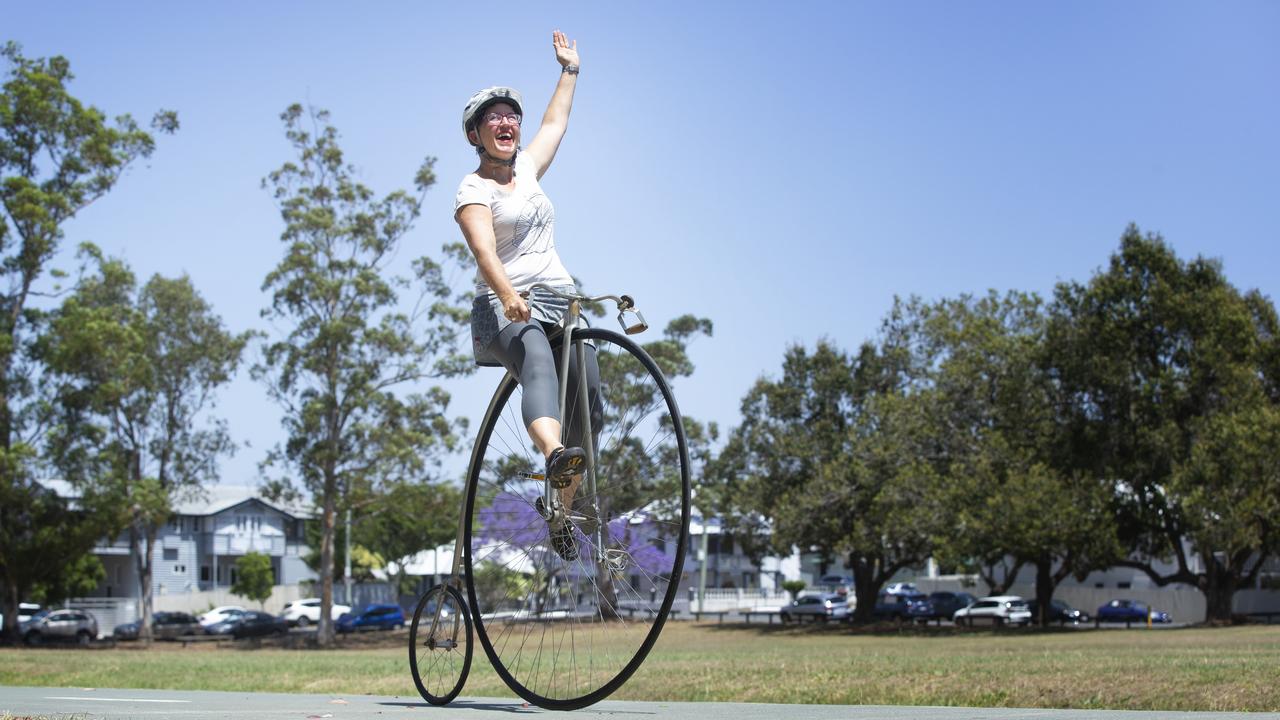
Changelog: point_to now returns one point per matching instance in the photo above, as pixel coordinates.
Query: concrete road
(113, 704)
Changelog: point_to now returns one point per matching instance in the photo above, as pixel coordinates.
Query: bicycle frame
(554, 511)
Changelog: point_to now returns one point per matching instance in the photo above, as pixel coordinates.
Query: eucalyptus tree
(1170, 378)
(57, 156)
(350, 348)
(133, 373)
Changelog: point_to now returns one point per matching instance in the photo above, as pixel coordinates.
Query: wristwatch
(571, 69)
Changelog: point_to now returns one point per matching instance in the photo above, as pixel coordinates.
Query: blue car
(1130, 611)
(376, 616)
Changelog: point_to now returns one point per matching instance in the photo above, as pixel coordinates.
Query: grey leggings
(523, 349)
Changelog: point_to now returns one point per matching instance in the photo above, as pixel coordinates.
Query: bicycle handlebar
(624, 301)
(628, 316)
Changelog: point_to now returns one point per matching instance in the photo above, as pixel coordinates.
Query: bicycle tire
(440, 678)
(534, 611)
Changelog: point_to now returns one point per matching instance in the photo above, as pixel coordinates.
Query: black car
(1059, 612)
(250, 624)
(897, 606)
(164, 625)
(940, 605)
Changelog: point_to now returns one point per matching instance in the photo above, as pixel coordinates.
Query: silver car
(74, 625)
(824, 606)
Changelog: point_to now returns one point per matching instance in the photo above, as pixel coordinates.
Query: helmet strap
(486, 157)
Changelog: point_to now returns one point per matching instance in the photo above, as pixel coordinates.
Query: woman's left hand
(566, 52)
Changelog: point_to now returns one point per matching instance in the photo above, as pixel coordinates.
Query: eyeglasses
(494, 118)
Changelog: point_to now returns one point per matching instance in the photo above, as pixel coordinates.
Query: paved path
(112, 704)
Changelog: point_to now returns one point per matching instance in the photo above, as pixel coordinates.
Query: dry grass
(1235, 669)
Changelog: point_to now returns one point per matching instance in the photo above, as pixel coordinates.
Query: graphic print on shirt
(533, 228)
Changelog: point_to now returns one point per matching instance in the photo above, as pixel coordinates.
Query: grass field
(1172, 669)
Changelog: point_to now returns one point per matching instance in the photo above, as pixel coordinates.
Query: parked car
(942, 604)
(823, 606)
(1130, 611)
(249, 623)
(995, 609)
(902, 588)
(1060, 612)
(836, 581)
(25, 611)
(221, 614)
(376, 616)
(307, 611)
(164, 626)
(897, 606)
(77, 626)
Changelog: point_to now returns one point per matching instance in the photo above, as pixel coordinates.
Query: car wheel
(83, 639)
(303, 621)
(34, 638)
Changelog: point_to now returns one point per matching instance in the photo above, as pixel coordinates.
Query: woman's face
(498, 129)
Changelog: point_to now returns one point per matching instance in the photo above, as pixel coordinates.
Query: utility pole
(346, 574)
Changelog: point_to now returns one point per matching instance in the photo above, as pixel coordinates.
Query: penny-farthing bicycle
(565, 628)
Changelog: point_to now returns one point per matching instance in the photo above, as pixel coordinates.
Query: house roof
(207, 501)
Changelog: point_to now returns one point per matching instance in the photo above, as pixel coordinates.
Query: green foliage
(254, 577)
(794, 587)
(1170, 378)
(131, 372)
(349, 350)
(57, 156)
(407, 518)
(495, 583)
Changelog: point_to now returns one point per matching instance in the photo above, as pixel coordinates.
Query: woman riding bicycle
(509, 225)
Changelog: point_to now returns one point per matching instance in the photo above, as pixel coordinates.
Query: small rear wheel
(440, 645)
(83, 639)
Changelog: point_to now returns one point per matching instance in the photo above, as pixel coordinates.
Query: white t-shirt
(523, 224)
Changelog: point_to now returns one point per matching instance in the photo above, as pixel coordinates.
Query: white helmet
(484, 99)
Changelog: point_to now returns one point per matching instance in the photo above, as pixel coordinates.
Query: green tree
(134, 372)
(57, 156)
(254, 577)
(1009, 499)
(348, 349)
(407, 518)
(830, 457)
(1172, 381)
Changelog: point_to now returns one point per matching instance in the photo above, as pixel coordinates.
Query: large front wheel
(565, 623)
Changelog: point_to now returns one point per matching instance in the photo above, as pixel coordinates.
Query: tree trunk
(11, 600)
(142, 547)
(1045, 584)
(328, 521)
(1219, 587)
(865, 589)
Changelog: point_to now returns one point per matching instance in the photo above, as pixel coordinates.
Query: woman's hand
(566, 53)
(515, 308)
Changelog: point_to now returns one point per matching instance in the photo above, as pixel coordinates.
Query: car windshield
(39, 614)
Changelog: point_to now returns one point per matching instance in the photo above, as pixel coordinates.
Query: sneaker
(564, 465)
(562, 541)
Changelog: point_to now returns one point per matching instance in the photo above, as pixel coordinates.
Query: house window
(171, 553)
(204, 573)
(175, 523)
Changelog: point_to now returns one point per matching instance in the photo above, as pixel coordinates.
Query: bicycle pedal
(617, 559)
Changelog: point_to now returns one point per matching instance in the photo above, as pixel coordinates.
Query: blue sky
(784, 169)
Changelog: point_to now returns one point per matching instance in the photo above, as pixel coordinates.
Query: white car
(221, 614)
(306, 611)
(902, 588)
(995, 610)
(25, 611)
